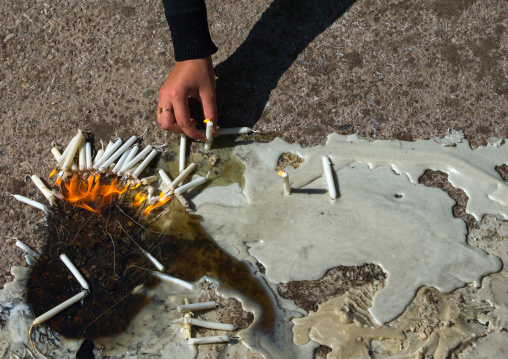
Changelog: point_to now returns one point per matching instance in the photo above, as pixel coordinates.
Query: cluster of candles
(327, 167)
(123, 160)
(188, 321)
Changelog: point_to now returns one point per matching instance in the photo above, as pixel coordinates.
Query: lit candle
(69, 146)
(329, 177)
(82, 156)
(56, 153)
(209, 340)
(183, 175)
(98, 156)
(145, 163)
(73, 149)
(173, 280)
(183, 147)
(188, 186)
(148, 180)
(196, 306)
(51, 313)
(45, 190)
(27, 249)
(119, 152)
(285, 181)
(74, 271)
(127, 166)
(209, 138)
(108, 153)
(121, 161)
(209, 325)
(88, 153)
(31, 202)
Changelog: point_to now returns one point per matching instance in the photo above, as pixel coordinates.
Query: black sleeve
(188, 24)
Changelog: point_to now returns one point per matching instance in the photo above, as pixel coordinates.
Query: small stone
(213, 159)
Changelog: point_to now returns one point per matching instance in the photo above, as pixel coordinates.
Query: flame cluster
(90, 193)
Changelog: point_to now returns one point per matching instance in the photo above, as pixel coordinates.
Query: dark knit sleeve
(188, 24)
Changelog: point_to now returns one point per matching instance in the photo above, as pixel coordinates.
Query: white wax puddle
(381, 217)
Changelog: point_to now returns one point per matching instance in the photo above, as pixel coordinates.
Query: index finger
(183, 119)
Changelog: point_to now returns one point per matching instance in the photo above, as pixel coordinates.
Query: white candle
(164, 178)
(180, 199)
(98, 156)
(121, 161)
(127, 166)
(31, 202)
(233, 131)
(74, 271)
(148, 180)
(209, 340)
(329, 177)
(82, 156)
(196, 306)
(285, 181)
(145, 163)
(45, 190)
(183, 147)
(188, 186)
(132, 153)
(66, 151)
(209, 325)
(51, 313)
(108, 153)
(208, 134)
(26, 248)
(155, 262)
(88, 155)
(73, 149)
(183, 175)
(119, 152)
(173, 280)
(56, 153)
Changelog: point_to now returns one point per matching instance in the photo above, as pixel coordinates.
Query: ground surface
(384, 69)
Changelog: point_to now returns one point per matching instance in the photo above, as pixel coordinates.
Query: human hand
(193, 78)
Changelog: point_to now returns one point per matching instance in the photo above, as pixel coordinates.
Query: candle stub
(197, 306)
(209, 325)
(51, 313)
(285, 182)
(74, 271)
(209, 340)
(208, 134)
(170, 279)
(329, 177)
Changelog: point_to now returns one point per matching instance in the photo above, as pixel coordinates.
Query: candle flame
(282, 173)
(52, 173)
(159, 203)
(207, 120)
(136, 186)
(140, 198)
(91, 194)
(58, 181)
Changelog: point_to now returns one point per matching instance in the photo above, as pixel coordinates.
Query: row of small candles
(327, 167)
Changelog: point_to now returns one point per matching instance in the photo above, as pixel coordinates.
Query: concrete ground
(385, 69)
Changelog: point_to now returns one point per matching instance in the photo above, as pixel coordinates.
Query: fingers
(210, 108)
(183, 120)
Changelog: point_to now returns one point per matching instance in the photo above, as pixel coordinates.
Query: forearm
(188, 24)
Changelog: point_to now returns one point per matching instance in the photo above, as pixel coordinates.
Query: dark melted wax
(102, 247)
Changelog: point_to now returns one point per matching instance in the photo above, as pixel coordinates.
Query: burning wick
(285, 181)
(209, 325)
(329, 177)
(31, 202)
(209, 138)
(196, 306)
(74, 271)
(183, 146)
(173, 280)
(51, 313)
(209, 340)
